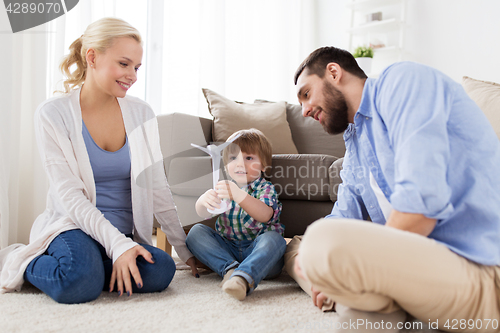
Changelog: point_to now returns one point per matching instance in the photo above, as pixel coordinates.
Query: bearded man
(421, 163)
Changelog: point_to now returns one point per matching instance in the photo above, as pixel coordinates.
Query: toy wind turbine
(215, 152)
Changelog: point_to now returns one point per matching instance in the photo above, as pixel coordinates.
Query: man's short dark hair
(316, 62)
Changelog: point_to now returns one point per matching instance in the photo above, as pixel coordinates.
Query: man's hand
(125, 266)
(298, 270)
(417, 223)
(228, 190)
(318, 298)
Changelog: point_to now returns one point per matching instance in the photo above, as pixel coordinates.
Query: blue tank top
(112, 182)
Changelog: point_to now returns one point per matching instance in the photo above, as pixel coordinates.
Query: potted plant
(364, 57)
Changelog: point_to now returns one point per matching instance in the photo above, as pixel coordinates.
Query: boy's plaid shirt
(236, 224)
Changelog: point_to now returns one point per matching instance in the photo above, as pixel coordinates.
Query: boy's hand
(228, 190)
(210, 200)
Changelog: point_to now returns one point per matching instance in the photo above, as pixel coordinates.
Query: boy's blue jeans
(76, 269)
(253, 260)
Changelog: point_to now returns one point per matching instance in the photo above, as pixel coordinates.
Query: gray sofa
(306, 182)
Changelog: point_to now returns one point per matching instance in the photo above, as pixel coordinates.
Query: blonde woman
(101, 152)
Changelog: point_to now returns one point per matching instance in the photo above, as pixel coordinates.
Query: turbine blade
(201, 148)
(225, 144)
(236, 137)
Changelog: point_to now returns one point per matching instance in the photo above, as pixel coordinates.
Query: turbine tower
(215, 152)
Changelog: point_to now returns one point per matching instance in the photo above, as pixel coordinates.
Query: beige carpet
(187, 305)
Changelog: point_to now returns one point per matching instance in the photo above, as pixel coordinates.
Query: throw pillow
(487, 97)
(308, 134)
(230, 116)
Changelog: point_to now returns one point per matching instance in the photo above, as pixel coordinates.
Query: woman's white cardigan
(71, 200)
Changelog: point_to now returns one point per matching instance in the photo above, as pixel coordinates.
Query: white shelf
(389, 32)
(368, 5)
(377, 26)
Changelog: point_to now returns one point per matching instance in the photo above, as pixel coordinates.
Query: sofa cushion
(302, 176)
(230, 116)
(308, 134)
(296, 176)
(487, 97)
(335, 179)
(177, 132)
(310, 137)
(190, 176)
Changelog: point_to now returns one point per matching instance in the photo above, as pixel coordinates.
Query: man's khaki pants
(370, 267)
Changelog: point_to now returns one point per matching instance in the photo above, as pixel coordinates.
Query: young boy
(248, 243)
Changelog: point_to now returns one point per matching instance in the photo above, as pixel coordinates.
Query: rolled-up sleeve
(415, 105)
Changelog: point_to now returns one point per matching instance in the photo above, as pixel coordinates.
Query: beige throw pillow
(487, 97)
(230, 117)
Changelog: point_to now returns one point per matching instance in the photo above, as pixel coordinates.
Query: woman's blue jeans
(76, 269)
(253, 260)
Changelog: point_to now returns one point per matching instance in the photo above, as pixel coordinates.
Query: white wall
(334, 20)
(458, 37)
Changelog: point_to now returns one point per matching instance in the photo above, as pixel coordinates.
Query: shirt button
(366, 117)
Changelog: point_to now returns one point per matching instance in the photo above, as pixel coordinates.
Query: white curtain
(245, 50)
(23, 184)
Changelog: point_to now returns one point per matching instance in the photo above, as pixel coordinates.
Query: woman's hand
(125, 266)
(191, 262)
(228, 190)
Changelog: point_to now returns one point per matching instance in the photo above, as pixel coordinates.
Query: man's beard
(335, 112)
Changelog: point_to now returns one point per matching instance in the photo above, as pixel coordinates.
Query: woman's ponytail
(75, 57)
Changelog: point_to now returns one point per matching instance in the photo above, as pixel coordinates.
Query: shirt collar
(365, 104)
(255, 183)
(349, 132)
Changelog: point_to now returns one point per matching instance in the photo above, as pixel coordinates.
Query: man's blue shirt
(432, 151)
